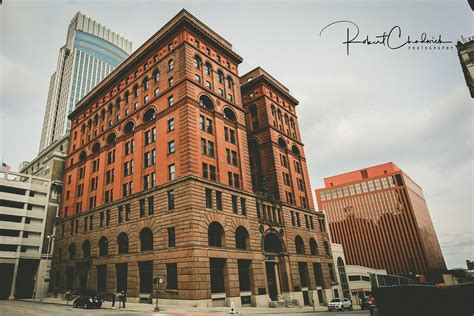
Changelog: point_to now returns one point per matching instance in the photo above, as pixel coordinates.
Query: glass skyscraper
(91, 53)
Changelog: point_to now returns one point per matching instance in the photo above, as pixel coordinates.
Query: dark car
(87, 301)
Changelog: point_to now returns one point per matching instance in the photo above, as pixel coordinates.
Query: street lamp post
(50, 239)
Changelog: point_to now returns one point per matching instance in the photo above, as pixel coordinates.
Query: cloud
(19, 89)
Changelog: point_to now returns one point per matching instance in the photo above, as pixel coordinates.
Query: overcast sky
(373, 106)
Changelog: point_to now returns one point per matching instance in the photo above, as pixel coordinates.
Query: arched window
(129, 128)
(220, 76)
(102, 115)
(295, 150)
(145, 84)
(286, 119)
(135, 90)
(292, 123)
(254, 116)
(208, 69)
(146, 239)
(273, 110)
(118, 101)
(111, 138)
(103, 246)
(343, 278)
(313, 247)
(82, 156)
(215, 234)
(279, 114)
(229, 115)
(206, 102)
(170, 64)
(122, 241)
(72, 251)
(96, 119)
(111, 106)
(241, 238)
(96, 148)
(127, 97)
(197, 62)
(299, 244)
(89, 123)
(282, 142)
(86, 249)
(149, 115)
(256, 165)
(272, 243)
(156, 75)
(83, 128)
(230, 82)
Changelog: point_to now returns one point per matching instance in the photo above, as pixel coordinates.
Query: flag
(5, 167)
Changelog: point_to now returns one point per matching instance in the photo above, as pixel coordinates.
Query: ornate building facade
(159, 180)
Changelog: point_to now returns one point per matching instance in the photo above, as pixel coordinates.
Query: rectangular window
(141, 203)
(120, 214)
(171, 147)
(212, 172)
(127, 212)
(170, 100)
(209, 128)
(171, 172)
(197, 78)
(101, 219)
(170, 194)
(208, 198)
(219, 200)
(171, 276)
(234, 205)
(151, 206)
(205, 170)
(202, 123)
(203, 146)
(147, 159)
(148, 137)
(171, 237)
(232, 136)
(243, 206)
(107, 217)
(210, 149)
(236, 180)
(171, 81)
(170, 125)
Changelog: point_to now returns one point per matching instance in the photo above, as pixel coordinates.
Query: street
(10, 308)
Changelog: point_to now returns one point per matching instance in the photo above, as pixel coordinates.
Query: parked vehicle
(88, 301)
(364, 302)
(340, 303)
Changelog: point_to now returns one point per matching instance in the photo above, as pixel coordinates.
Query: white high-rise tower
(91, 53)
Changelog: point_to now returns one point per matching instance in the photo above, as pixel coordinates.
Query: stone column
(15, 272)
(277, 278)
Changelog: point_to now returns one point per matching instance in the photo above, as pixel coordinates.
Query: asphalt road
(15, 308)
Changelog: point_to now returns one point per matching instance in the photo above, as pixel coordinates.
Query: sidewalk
(187, 310)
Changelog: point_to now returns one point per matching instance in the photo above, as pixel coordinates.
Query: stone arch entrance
(276, 264)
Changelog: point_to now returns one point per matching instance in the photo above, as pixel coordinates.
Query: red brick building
(379, 215)
(158, 181)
